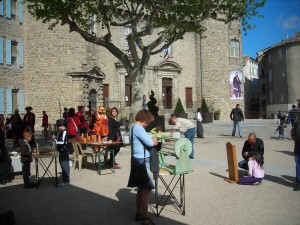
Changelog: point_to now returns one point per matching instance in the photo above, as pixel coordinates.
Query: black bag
(138, 172)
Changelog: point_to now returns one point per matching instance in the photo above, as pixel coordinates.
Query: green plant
(204, 106)
(179, 108)
(218, 111)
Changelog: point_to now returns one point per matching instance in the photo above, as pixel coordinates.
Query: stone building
(279, 76)
(250, 72)
(53, 69)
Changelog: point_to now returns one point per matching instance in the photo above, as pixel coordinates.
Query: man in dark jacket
(296, 137)
(237, 116)
(293, 113)
(252, 145)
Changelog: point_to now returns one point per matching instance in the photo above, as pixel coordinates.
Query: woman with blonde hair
(140, 175)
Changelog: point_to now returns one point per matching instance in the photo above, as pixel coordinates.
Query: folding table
(41, 160)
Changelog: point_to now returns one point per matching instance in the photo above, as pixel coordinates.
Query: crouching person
(26, 158)
(61, 146)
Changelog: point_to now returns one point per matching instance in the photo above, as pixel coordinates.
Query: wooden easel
(232, 163)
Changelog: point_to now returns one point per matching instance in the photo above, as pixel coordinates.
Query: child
(61, 145)
(256, 171)
(280, 129)
(26, 158)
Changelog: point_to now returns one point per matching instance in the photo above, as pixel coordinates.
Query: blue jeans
(239, 125)
(281, 136)
(190, 134)
(297, 161)
(243, 165)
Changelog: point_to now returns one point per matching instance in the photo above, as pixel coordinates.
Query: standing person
(92, 119)
(199, 124)
(61, 145)
(187, 127)
(293, 113)
(256, 171)
(140, 159)
(29, 122)
(252, 145)
(73, 124)
(280, 130)
(237, 85)
(65, 114)
(296, 137)
(5, 160)
(114, 134)
(26, 158)
(144, 105)
(17, 127)
(237, 116)
(83, 125)
(45, 125)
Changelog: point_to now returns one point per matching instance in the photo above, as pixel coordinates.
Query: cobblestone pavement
(105, 199)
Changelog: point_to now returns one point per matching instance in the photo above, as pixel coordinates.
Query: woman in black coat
(114, 134)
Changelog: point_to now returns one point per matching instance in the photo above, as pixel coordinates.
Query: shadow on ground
(285, 152)
(70, 205)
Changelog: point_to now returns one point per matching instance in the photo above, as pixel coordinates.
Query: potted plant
(179, 110)
(206, 115)
(217, 114)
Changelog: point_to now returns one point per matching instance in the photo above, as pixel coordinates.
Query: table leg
(99, 162)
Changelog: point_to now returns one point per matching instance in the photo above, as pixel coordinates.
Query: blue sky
(281, 19)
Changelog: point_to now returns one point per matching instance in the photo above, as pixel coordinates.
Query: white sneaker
(71, 163)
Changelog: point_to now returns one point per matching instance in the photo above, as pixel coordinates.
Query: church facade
(53, 69)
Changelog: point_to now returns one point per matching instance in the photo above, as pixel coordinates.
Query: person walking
(45, 124)
(187, 127)
(199, 124)
(237, 116)
(296, 137)
(293, 113)
(140, 175)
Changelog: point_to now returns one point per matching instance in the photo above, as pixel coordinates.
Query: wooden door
(189, 97)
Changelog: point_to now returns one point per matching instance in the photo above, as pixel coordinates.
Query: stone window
(126, 30)
(14, 52)
(1, 8)
(235, 48)
(13, 9)
(14, 100)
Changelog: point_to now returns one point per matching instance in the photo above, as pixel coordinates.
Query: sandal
(149, 221)
(138, 217)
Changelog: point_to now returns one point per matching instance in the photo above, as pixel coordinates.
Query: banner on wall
(236, 84)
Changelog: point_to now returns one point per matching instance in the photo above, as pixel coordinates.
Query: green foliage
(204, 106)
(218, 111)
(179, 108)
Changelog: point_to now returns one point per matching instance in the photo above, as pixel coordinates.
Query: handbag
(138, 173)
(77, 128)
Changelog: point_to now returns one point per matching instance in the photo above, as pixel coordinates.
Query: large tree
(166, 21)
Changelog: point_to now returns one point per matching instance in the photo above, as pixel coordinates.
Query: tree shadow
(70, 205)
(285, 152)
(226, 135)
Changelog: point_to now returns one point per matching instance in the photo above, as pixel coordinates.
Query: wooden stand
(232, 163)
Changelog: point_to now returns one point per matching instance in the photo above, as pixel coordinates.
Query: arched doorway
(93, 99)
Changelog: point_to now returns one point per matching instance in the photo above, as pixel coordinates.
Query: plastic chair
(77, 157)
(80, 156)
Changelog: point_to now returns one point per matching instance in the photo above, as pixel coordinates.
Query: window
(235, 48)
(92, 24)
(280, 53)
(270, 75)
(1, 8)
(127, 91)
(14, 100)
(1, 51)
(1, 101)
(13, 9)
(14, 53)
(126, 30)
